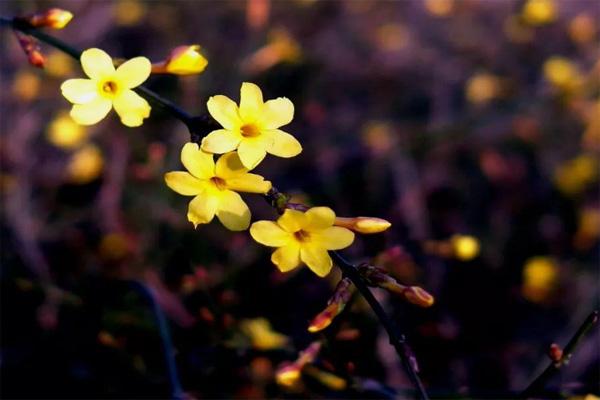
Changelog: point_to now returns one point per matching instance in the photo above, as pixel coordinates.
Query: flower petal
(269, 234)
(251, 102)
(79, 91)
(199, 163)
(333, 238)
(233, 212)
(251, 152)
(97, 64)
(221, 141)
(92, 112)
(282, 144)
(318, 218)
(224, 111)
(249, 183)
(133, 72)
(317, 259)
(230, 166)
(131, 107)
(292, 220)
(287, 257)
(277, 112)
(202, 208)
(184, 183)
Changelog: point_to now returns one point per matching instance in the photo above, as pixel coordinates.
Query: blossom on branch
(303, 237)
(183, 60)
(107, 88)
(251, 128)
(215, 187)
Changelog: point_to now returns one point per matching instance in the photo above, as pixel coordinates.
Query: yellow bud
(465, 247)
(365, 225)
(183, 60)
(288, 376)
(418, 296)
(55, 18)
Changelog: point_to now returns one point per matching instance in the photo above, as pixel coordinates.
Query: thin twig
(537, 386)
(200, 126)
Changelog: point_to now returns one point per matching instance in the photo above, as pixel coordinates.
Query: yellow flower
(252, 128)
(303, 237)
(93, 98)
(214, 186)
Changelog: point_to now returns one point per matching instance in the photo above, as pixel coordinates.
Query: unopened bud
(32, 50)
(380, 278)
(288, 374)
(365, 225)
(335, 306)
(183, 60)
(418, 296)
(55, 18)
(327, 379)
(555, 353)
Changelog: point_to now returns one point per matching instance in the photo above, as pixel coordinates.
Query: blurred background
(473, 126)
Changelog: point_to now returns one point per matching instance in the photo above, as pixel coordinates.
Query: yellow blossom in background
(303, 237)
(214, 187)
(26, 85)
(129, 12)
(185, 60)
(261, 334)
(517, 31)
(562, 73)
(582, 28)
(439, 8)
(65, 133)
(540, 275)
(465, 247)
(483, 87)
(251, 128)
(280, 47)
(58, 64)
(107, 88)
(85, 165)
(113, 246)
(392, 37)
(588, 228)
(539, 12)
(574, 176)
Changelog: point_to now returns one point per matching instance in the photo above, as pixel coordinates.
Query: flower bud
(32, 50)
(365, 225)
(335, 306)
(327, 379)
(288, 374)
(183, 60)
(555, 353)
(55, 18)
(418, 296)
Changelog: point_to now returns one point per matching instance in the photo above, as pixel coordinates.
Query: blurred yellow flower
(540, 275)
(129, 12)
(465, 247)
(58, 64)
(26, 85)
(214, 187)
(107, 88)
(482, 88)
(251, 128)
(539, 12)
(281, 47)
(582, 28)
(439, 8)
(63, 132)
(303, 237)
(85, 165)
(562, 73)
(261, 335)
(573, 176)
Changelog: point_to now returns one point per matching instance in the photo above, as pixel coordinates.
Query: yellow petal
(79, 91)
(133, 72)
(283, 144)
(224, 111)
(318, 218)
(292, 220)
(269, 234)
(233, 211)
(317, 259)
(92, 112)
(287, 257)
(277, 113)
(252, 152)
(97, 64)
(251, 102)
(202, 208)
(184, 183)
(221, 141)
(230, 166)
(131, 107)
(249, 183)
(199, 163)
(333, 238)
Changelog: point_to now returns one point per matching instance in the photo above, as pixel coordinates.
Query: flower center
(109, 87)
(219, 183)
(302, 236)
(250, 130)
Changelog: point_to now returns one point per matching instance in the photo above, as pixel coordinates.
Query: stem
(537, 386)
(199, 126)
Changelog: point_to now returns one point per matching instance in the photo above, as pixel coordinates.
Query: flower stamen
(302, 236)
(250, 130)
(219, 183)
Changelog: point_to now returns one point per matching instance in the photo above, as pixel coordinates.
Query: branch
(200, 126)
(537, 386)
